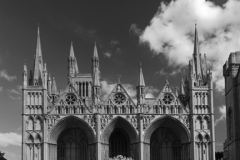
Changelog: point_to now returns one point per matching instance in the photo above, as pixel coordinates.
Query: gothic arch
(168, 122)
(119, 123)
(71, 122)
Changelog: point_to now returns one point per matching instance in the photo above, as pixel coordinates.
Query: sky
(159, 34)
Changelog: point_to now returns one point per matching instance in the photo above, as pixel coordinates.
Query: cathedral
(77, 124)
(232, 81)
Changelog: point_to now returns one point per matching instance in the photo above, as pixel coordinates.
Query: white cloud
(4, 75)
(172, 73)
(15, 94)
(10, 138)
(151, 92)
(171, 32)
(222, 111)
(1, 88)
(107, 54)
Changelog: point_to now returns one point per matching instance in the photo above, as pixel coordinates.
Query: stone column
(140, 138)
(98, 136)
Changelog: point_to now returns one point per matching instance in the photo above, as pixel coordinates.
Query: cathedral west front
(76, 124)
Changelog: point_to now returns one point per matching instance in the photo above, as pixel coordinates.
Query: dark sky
(83, 22)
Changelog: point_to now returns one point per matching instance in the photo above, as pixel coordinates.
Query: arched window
(155, 150)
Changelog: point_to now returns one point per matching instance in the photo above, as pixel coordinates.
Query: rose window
(119, 98)
(167, 98)
(70, 99)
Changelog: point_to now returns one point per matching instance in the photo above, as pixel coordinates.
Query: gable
(119, 97)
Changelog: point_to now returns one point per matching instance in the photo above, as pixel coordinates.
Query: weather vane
(119, 78)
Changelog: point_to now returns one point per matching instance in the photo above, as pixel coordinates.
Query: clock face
(119, 98)
(167, 98)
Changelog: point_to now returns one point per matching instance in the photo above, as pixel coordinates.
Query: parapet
(232, 64)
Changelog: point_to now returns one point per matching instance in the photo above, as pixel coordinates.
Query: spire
(38, 64)
(197, 55)
(25, 81)
(71, 51)
(95, 52)
(182, 86)
(141, 78)
(54, 86)
(196, 43)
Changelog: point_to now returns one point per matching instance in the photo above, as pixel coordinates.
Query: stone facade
(232, 92)
(76, 123)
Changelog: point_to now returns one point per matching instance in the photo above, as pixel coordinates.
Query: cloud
(15, 94)
(4, 75)
(115, 42)
(107, 54)
(135, 30)
(222, 111)
(107, 87)
(10, 138)
(1, 88)
(151, 92)
(171, 32)
(164, 73)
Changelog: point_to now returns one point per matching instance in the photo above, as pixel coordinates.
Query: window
(70, 99)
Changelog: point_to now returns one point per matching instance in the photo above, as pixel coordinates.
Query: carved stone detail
(104, 120)
(51, 120)
(133, 120)
(147, 120)
(90, 119)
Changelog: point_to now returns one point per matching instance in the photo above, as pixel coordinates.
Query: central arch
(167, 138)
(119, 128)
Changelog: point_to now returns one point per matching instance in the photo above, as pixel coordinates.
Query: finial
(119, 78)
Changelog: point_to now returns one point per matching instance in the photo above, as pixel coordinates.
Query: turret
(49, 84)
(182, 93)
(72, 63)
(25, 72)
(141, 87)
(96, 76)
(45, 76)
(54, 90)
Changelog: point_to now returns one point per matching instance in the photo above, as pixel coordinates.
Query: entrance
(72, 145)
(119, 144)
(165, 145)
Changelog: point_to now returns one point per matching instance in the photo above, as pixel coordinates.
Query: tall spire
(196, 43)
(197, 55)
(38, 63)
(72, 62)
(141, 81)
(96, 78)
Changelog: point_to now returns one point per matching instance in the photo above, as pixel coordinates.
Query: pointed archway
(120, 138)
(167, 139)
(71, 139)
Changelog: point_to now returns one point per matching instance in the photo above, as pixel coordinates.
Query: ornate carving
(51, 120)
(147, 120)
(104, 120)
(133, 120)
(90, 119)
(120, 157)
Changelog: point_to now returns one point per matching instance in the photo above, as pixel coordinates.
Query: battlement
(232, 64)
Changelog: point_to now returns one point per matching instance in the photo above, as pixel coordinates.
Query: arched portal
(71, 139)
(165, 145)
(119, 137)
(119, 144)
(72, 145)
(167, 139)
